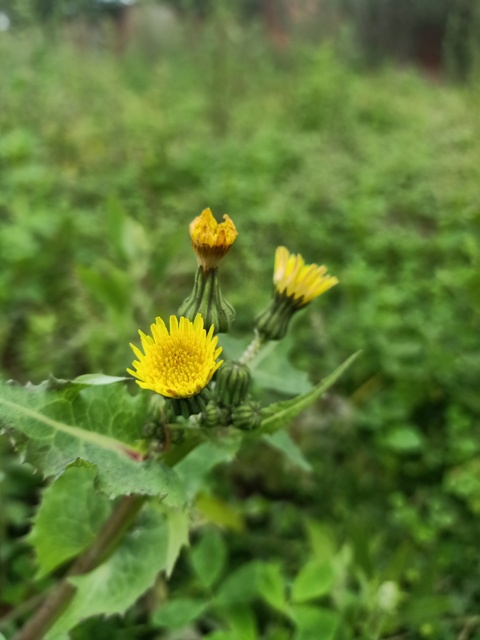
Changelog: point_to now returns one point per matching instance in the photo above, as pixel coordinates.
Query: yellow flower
(211, 240)
(178, 364)
(294, 278)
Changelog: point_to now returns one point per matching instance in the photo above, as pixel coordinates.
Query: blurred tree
(433, 33)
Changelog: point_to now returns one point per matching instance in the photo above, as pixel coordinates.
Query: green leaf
(98, 379)
(282, 441)
(242, 622)
(403, 439)
(314, 580)
(280, 413)
(315, 622)
(119, 581)
(252, 580)
(273, 369)
(321, 540)
(271, 586)
(69, 516)
(241, 586)
(193, 469)
(177, 536)
(220, 512)
(178, 613)
(209, 557)
(99, 424)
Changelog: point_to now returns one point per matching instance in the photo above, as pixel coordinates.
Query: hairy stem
(252, 350)
(107, 538)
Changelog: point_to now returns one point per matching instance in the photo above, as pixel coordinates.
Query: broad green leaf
(177, 520)
(314, 580)
(193, 469)
(314, 622)
(99, 424)
(119, 581)
(282, 441)
(178, 613)
(241, 586)
(252, 580)
(69, 516)
(209, 557)
(242, 622)
(321, 540)
(271, 586)
(280, 413)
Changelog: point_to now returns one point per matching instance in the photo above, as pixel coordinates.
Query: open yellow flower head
(178, 363)
(211, 240)
(294, 278)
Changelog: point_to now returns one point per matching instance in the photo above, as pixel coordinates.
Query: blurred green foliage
(105, 161)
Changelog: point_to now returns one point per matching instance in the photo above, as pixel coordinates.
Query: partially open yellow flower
(211, 240)
(179, 363)
(296, 284)
(294, 278)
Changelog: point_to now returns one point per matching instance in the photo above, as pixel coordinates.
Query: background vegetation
(104, 160)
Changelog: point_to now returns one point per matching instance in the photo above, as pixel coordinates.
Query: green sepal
(272, 323)
(207, 299)
(187, 407)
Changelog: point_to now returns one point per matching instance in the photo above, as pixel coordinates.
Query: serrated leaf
(119, 581)
(279, 414)
(99, 424)
(69, 516)
(178, 613)
(209, 557)
(314, 580)
(282, 441)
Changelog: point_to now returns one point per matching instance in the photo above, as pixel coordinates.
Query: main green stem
(111, 533)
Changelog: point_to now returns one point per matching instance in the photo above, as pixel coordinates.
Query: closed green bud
(232, 384)
(207, 299)
(214, 416)
(247, 416)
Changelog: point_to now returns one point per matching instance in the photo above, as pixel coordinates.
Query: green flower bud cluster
(230, 404)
